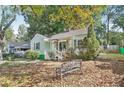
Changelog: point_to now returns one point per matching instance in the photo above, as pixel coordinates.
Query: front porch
(60, 47)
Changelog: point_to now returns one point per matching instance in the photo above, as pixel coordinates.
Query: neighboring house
(13, 47)
(57, 44)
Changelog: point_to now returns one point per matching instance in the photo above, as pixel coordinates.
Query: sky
(19, 20)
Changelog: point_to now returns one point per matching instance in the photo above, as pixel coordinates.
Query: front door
(62, 46)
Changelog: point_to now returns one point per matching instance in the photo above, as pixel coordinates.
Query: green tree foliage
(77, 17)
(55, 19)
(113, 15)
(101, 33)
(31, 54)
(40, 22)
(116, 37)
(109, 15)
(9, 35)
(90, 45)
(119, 17)
(22, 33)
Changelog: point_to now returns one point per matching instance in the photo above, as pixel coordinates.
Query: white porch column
(73, 42)
(58, 45)
(1, 58)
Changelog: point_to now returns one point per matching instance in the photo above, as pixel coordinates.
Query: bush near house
(9, 57)
(30, 54)
(90, 45)
(71, 54)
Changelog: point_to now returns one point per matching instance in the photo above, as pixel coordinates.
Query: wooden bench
(68, 67)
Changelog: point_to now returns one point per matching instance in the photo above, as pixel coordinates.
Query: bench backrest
(69, 66)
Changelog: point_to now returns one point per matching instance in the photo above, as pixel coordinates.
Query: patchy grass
(20, 59)
(11, 64)
(112, 56)
(42, 74)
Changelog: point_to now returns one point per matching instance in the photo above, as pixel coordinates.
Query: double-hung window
(77, 43)
(37, 46)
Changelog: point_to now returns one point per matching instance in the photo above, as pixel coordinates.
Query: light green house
(57, 44)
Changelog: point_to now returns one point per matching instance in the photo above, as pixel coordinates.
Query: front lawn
(42, 74)
(112, 56)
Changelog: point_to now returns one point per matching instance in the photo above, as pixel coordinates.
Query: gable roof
(69, 34)
(23, 45)
(40, 35)
(19, 44)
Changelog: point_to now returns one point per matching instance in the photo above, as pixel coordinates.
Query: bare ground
(42, 74)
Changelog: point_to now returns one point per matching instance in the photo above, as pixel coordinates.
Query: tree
(41, 22)
(55, 19)
(22, 33)
(90, 45)
(101, 33)
(9, 35)
(77, 17)
(7, 18)
(119, 19)
(109, 14)
(119, 22)
(116, 37)
(114, 16)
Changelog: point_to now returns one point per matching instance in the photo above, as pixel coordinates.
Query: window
(62, 46)
(79, 42)
(75, 43)
(38, 45)
(34, 46)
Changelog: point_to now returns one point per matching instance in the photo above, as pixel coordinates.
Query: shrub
(90, 45)
(30, 54)
(122, 43)
(9, 57)
(71, 54)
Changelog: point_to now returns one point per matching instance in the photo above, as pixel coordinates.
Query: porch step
(60, 55)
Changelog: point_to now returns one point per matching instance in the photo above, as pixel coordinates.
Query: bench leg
(95, 62)
(61, 78)
(81, 70)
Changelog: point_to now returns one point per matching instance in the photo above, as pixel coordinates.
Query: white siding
(44, 45)
(78, 37)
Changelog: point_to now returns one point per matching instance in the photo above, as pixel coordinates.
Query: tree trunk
(2, 35)
(108, 22)
(1, 47)
(1, 57)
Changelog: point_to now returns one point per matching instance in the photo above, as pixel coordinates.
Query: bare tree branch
(2, 32)
(1, 23)
(9, 23)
